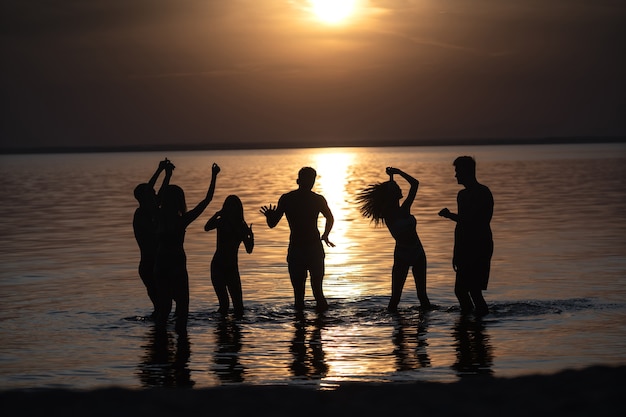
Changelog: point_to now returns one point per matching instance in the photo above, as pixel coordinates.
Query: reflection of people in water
(474, 353)
(473, 241)
(171, 262)
(308, 361)
(226, 357)
(306, 253)
(410, 344)
(232, 229)
(165, 364)
(381, 203)
(144, 228)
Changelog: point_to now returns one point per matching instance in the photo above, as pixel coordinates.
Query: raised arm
(193, 214)
(212, 223)
(155, 176)
(413, 183)
(273, 214)
(169, 169)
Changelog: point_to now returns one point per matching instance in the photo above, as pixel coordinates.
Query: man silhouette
(306, 253)
(473, 241)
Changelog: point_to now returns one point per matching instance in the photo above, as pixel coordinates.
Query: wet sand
(595, 391)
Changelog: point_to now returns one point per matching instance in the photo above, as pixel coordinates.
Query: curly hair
(375, 200)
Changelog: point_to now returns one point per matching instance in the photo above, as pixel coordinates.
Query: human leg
(234, 288)
(419, 276)
(399, 273)
(462, 285)
(297, 275)
(181, 297)
(219, 285)
(164, 296)
(298, 278)
(146, 273)
(465, 301)
(316, 268)
(481, 308)
(318, 293)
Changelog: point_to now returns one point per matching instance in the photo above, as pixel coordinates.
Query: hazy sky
(132, 72)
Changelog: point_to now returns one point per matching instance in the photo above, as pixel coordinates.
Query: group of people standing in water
(162, 218)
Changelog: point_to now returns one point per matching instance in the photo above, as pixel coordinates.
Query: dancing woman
(381, 203)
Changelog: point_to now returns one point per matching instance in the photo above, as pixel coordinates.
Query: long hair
(173, 199)
(376, 200)
(233, 208)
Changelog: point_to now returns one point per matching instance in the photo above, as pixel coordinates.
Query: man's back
(302, 208)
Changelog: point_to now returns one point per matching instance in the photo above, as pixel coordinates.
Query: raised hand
(268, 211)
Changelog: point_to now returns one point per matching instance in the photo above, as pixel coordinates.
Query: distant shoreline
(308, 144)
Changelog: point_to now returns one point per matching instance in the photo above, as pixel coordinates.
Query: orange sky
(118, 72)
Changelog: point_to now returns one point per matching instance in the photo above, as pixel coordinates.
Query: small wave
(372, 311)
(531, 308)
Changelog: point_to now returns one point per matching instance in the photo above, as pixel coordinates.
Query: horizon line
(221, 146)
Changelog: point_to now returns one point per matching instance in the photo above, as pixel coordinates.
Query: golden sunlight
(333, 170)
(333, 12)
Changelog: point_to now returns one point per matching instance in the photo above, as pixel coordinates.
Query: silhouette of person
(473, 240)
(171, 262)
(144, 228)
(306, 253)
(381, 203)
(232, 229)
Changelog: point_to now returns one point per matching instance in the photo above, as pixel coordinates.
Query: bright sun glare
(333, 11)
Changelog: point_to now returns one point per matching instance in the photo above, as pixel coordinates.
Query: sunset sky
(159, 72)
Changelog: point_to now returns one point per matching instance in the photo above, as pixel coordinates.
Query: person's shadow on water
(474, 353)
(410, 344)
(166, 360)
(308, 358)
(226, 357)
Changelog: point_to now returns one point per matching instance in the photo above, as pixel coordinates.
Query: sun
(333, 11)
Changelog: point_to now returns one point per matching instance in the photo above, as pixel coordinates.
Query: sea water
(74, 313)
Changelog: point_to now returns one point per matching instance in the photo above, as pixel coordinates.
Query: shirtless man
(306, 253)
(473, 240)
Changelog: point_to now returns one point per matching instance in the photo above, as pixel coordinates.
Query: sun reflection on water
(333, 168)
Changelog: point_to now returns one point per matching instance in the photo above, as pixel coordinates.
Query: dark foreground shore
(596, 391)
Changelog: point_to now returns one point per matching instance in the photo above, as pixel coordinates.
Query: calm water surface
(73, 308)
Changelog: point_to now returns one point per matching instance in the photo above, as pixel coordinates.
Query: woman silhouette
(171, 261)
(381, 203)
(232, 229)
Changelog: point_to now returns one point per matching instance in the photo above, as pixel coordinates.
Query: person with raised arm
(145, 226)
(171, 261)
(306, 253)
(380, 202)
